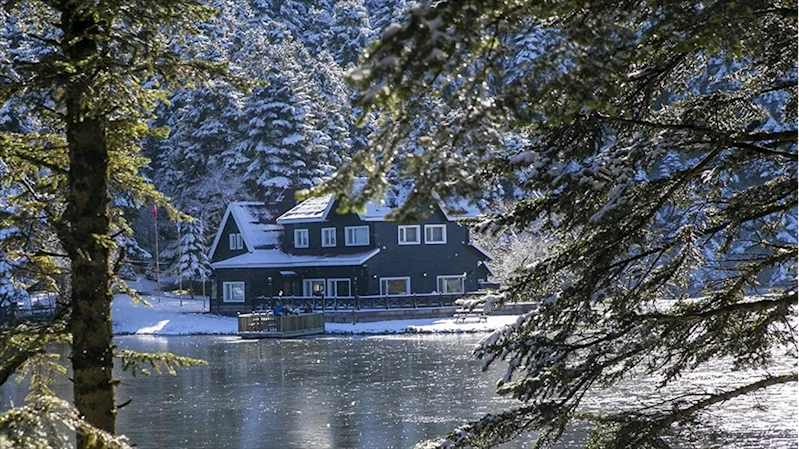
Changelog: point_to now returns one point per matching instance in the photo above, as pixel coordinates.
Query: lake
(360, 392)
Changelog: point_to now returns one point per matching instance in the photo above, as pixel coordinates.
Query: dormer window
(356, 235)
(408, 235)
(435, 234)
(235, 241)
(300, 238)
(328, 237)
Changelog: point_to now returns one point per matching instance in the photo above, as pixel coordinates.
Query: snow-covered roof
(310, 210)
(458, 208)
(317, 209)
(481, 250)
(274, 258)
(255, 223)
(254, 220)
(375, 212)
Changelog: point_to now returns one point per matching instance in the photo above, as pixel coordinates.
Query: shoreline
(171, 318)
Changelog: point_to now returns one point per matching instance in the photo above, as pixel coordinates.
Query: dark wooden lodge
(312, 256)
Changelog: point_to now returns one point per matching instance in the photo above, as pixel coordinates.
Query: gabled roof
(481, 250)
(315, 210)
(254, 221)
(274, 258)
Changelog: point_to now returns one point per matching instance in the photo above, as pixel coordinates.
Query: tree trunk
(85, 232)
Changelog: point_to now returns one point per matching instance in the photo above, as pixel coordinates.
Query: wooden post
(180, 266)
(157, 264)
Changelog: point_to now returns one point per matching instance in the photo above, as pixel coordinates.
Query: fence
(322, 303)
(287, 324)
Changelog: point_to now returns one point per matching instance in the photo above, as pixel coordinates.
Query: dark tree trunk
(85, 231)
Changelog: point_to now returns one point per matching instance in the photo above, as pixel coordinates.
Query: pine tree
(277, 148)
(12, 282)
(660, 151)
(202, 126)
(349, 33)
(332, 117)
(316, 37)
(383, 13)
(194, 263)
(91, 74)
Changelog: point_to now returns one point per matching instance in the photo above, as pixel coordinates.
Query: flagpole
(180, 266)
(202, 245)
(157, 264)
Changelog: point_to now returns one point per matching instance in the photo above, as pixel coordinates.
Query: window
(300, 238)
(338, 287)
(313, 287)
(408, 235)
(450, 284)
(436, 234)
(235, 241)
(395, 286)
(233, 291)
(356, 235)
(328, 237)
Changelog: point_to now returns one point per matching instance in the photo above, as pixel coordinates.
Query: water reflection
(325, 392)
(364, 392)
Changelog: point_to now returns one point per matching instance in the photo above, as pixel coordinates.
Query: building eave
(293, 261)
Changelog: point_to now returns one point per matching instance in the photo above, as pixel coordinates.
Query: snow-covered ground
(175, 316)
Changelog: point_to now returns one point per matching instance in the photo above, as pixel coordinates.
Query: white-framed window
(408, 235)
(313, 287)
(300, 238)
(338, 287)
(435, 234)
(356, 235)
(395, 286)
(235, 241)
(328, 237)
(233, 291)
(451, 284)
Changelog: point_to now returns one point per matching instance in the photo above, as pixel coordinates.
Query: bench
(461, 315)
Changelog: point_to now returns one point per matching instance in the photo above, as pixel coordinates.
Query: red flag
(155, 212)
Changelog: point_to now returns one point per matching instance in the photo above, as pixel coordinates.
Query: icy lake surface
(361, 392)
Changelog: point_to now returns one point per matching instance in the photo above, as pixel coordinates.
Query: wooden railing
(267, 322)
(321, 303)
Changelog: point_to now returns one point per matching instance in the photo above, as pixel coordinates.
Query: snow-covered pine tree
(292, 14)
(195, 266)
(276, 151)
(383, 13)
(332, 115)
(349, 32)
(661, 153)
(316, 36)
(202, 127)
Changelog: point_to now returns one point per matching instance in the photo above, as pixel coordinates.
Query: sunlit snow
(172, 315)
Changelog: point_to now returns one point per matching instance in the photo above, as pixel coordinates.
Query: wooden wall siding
(424, 262)
(223, 251)
(256, 283)
(315, 236)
